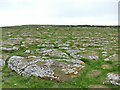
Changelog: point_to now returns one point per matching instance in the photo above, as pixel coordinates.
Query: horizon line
(56, 25)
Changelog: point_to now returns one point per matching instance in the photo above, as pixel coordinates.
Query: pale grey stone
(113, 79)
(35, 66)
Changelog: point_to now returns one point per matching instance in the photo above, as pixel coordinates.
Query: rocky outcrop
(35, 66)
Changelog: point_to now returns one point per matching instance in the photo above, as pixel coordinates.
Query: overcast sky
(93, 12)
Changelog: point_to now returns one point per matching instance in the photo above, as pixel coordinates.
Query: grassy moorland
(88, 40)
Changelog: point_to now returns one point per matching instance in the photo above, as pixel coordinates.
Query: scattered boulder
(113, 79)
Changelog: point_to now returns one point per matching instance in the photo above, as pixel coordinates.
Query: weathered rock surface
(15, 41)
(9, 49)
(35, 66)
(1, 62)
(3, 59)
(113, 79)
(113, 57)
(52, 52)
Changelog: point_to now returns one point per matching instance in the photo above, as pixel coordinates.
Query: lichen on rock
(35, 66)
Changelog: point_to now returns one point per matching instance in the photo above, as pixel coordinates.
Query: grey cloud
(69, 10)
(59, 11)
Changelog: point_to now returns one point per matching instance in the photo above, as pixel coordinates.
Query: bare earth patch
(94, 73)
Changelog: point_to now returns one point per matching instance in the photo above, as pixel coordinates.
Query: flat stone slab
(58, 70)
(9, 49)
(52, 53)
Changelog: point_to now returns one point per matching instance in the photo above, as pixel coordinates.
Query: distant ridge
(102, 26)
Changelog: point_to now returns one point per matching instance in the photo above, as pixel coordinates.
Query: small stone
(93, 57)
(76, 72)
(15, 84)
(82, 49)
(37, 28)
(104, 52)
(27, 51)
(106, 59)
